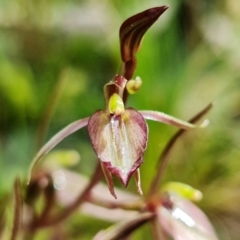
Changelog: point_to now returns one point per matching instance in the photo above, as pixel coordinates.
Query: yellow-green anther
(183, 190)
(134, 85)
(116, 105)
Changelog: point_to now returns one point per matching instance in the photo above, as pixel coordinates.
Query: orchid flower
(174, 216)
(119, 135)
(183, 220)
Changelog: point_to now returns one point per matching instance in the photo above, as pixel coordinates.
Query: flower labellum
(118, 135)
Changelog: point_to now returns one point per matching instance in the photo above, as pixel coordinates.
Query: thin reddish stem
(49, 221)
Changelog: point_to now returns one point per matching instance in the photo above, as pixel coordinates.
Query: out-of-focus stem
(123, 229)
(17, 222)
(49, 200)
(49, 110)
(156, 229)
(134, 205)
(49, 221)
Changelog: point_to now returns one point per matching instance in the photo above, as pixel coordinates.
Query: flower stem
(49, 221)
(130, 205)
(17, 222)
(156, 229)
(49, 110)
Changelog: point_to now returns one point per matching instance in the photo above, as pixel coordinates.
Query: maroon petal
(119, 141)
(109, 180)
(133, 29)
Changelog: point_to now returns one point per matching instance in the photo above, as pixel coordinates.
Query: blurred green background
(56, 56)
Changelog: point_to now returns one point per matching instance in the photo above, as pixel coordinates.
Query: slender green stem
(49, 110)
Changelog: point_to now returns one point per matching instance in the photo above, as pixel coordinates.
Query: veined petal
(68, 130)
(164, 118)
(119, 141)
(185, 221)
(134, 28)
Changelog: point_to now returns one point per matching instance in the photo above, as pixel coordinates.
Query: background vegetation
(56, 56)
